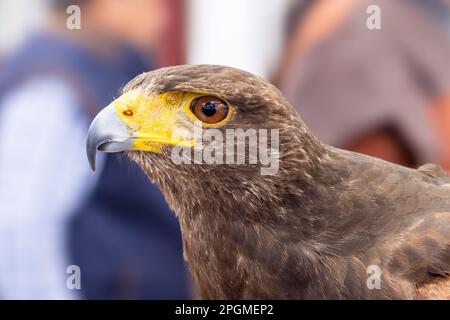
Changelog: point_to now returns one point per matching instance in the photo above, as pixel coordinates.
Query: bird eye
(210, 110)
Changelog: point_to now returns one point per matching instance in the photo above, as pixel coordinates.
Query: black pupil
(209, 109)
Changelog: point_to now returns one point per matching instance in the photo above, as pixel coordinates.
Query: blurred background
(369, 76)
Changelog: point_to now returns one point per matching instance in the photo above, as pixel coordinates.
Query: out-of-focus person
(384, 92)
(55, 215)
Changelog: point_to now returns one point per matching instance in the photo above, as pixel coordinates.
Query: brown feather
(310, 231)
(436, 290)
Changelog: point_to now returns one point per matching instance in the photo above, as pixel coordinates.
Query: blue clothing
(122, 236)
(32, 243)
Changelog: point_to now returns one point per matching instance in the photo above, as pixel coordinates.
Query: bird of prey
(328, 224)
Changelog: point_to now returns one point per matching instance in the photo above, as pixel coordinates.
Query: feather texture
(314, 229)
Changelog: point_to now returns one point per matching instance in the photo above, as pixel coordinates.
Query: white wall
(17, 19)
(246, 34)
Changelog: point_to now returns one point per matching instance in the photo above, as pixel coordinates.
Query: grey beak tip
(91, 152)
(92, 165)
(107, 133)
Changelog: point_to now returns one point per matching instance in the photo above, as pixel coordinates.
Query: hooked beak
(107, 133)
(139, 123)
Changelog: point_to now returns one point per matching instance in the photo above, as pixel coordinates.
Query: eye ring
(210, 109)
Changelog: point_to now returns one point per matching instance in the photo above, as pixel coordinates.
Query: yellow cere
(156, 120)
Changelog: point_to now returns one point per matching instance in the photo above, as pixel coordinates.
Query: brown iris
(209, 109)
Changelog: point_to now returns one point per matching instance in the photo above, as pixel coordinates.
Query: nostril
(127, 113)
